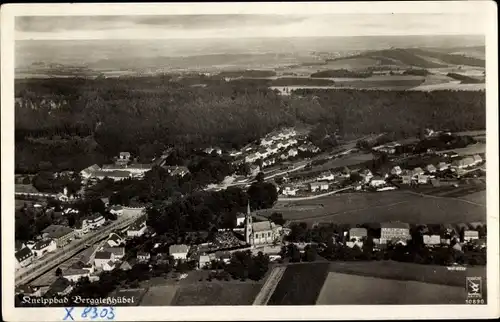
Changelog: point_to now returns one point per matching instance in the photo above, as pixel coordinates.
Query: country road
(269, 286)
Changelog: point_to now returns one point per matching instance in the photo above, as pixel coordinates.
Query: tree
(277, 218)
(260, 177)
(58, 271)
(293, 253)
(310, 253)
(262, 195)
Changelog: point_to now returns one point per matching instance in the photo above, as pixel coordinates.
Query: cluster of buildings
(399, 233)
(122, 169)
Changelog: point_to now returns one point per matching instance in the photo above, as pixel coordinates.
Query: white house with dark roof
(44, 246)
(104, 260)
(118, 252)
(326, 176)
(94, 221)
(289, 190)
(62, 235)
(137, 229)
(179, 251)
(116, 210)
(89, 171)
(75, 274)
(115, 240)
(24, 257)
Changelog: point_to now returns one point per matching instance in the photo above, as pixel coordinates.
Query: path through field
(268, 288)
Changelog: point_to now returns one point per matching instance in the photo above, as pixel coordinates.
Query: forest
(60, 120)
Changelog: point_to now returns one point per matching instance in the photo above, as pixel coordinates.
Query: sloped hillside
(415, 57)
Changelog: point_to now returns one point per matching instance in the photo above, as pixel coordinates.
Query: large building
(261, 233)
(62, 235)
(394, 231)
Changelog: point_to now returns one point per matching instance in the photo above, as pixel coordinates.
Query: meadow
(344, 289)
(216, 293)
(300, 284)
(159, 295)
(355, 208)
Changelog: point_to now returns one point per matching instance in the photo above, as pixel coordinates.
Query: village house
(268, 162)
(289, 190)
(321, 186)
(143, 257)
(137, 229)
(422, 179)
(430, 168)
(266, 141)
(396, 170)
(326, 176)
(462, 163)
(93, 222)
(240, 219)
(104, 260)
(115, 240)
(124, 156)
(44, 246)
(116, 210)
(125, 266)
(432, 240)
(272, 149)
(75, 274)
(477, 159)
(60, 287)
(24, 257)
(394, 231)
(18, 245)
(406, 179)
(377, 181)
(254, 169)
(118, 252)
(205, 260)
(293, 152)
(116, 175)
(89, 171)
(179, 252)
(357, 233)
(442, 166)
(366, 175)
(470, 235)
(62, 235)
(417, 171)
(252, 157)
(213, 149)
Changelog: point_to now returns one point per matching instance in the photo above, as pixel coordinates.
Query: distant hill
(414, 58)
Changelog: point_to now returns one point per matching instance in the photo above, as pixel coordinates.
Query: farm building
(321, 186)
(394, 231)
(358, 233)
(377, 181)
(470, 235)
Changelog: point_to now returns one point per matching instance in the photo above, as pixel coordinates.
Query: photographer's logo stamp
(474, 287)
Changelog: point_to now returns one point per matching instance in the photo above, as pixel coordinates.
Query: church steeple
(248, 225)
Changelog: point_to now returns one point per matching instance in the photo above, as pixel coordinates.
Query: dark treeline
(100, 117)
(341, 73)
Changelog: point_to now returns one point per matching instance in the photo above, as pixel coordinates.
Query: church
(261, 233)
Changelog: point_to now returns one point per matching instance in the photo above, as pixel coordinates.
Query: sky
(244, 26)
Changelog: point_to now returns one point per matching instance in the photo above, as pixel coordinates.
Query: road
(269, 286)
(315, 196)
(62, 254)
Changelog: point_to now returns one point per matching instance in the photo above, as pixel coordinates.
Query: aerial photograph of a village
(194, 160)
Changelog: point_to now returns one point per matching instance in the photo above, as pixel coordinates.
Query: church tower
(248, 226)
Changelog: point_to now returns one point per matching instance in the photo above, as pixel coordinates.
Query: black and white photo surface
(249, 157)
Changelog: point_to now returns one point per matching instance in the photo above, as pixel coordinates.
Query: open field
(344, 289)
(159, 295)
(215, 293)
(477, 148)
(358, 208)
(347, 161)
(433, 274)
(450, 86)
(300, 285)
(478, 197)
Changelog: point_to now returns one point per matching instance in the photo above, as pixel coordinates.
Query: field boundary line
(444, 197)
(269, 286)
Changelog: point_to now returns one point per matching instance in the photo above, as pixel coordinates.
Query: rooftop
(103, 255)
(42, 244)
(23, 254)
(178, 249)
(262, 226)
(400, 225)
(112, 174)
